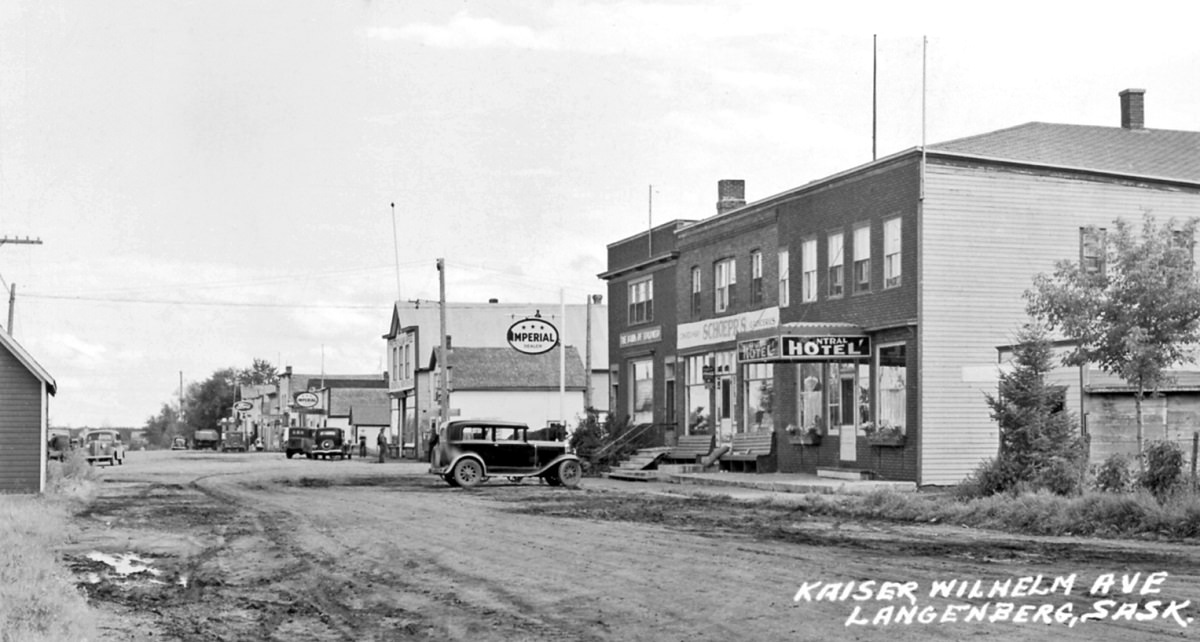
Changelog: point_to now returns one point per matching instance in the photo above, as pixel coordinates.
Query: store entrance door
(841, 411)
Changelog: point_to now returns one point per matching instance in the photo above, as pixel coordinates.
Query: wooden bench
(750, 452)
(689, 449)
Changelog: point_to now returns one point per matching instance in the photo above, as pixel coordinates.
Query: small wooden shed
(25, 389)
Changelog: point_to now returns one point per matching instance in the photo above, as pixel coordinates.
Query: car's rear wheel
(569, 473)
(468, 473)
(327, 444)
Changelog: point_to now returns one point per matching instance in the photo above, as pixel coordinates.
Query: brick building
(868, 307)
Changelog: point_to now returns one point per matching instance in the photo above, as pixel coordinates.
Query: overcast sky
(212, 181)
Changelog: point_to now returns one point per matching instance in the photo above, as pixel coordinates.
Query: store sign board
(307, 400)
(243, 406)
(532, 336)
(639, 337)
(804, 348)
(724, 329)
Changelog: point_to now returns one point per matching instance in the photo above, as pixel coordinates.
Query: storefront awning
(793, 342)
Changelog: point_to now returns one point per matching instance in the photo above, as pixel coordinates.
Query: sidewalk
(772, 482)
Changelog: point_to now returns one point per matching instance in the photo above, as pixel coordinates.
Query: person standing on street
(382, 443)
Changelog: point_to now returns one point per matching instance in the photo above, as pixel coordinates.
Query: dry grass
(38, 598)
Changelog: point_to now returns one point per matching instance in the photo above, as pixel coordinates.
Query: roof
(1151, 153)
(342, 400)
(303, 382)
(28, 361)
(370, 414)
(486, 325)
(507, 369)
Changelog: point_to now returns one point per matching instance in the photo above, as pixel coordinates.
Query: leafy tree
(161, 428)
(1137, 318)
(211, 400)
(262, 372)
(1038, 437)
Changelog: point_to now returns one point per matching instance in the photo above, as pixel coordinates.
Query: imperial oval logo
(533, 336)
(307, 399)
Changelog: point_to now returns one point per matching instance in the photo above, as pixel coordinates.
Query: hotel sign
(638, 337)
(804, 348)
(724, 329)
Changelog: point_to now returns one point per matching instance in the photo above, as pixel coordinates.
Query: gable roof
(303, 382)
(342, 400)
(507, 369)
(29, 362)
(1151, 153)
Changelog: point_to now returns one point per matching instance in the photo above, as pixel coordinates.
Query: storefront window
(864, 396)
(893, 398)
(809, 399)
(697, 395)
(759, 382)
(643, 391)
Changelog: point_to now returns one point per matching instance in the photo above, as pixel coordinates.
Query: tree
(262, 372)
(1038, 437)
(210, 400)
(160, 428)
(1137, 318)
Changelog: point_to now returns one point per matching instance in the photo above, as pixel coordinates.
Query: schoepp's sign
(533, 336)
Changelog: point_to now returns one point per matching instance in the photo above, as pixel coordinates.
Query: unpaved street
(258, 547)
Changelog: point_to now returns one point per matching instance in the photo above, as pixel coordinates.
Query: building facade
(867, 308)
(24, 417)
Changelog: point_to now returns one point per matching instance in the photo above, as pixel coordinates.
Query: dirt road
(189, 546)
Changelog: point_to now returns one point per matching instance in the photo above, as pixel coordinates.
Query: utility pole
(444, 353)
(592, 299)
(12, 291)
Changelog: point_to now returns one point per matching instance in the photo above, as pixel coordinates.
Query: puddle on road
(126, 565)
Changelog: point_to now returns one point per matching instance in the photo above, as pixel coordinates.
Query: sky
(214, 182)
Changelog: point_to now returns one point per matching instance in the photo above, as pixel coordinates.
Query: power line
(228, 304)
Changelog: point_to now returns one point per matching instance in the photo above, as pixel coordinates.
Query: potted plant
(809, 436)
(883, 435)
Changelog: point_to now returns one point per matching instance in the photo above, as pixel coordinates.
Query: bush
(990, 477)
(72, 477)
(1061, 475)
(1164, 469)
(1113, 476)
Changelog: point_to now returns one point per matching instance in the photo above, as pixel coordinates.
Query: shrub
(1061, 475)
(991, 476)
(72, 477)
(1164, 469)
(1113, 476)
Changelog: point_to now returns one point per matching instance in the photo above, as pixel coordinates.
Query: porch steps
(850, 474)
(640, 466)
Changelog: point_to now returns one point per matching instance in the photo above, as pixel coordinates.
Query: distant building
(24, 414)
(414, 337)
(872, 303)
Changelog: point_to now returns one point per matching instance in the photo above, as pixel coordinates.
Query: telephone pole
(444, 354)
(12, 290)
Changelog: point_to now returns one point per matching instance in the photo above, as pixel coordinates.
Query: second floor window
(696, 284)
(808, 271)
(756, 278)
(724, 279)
(836, 264)
(1091, 251)
(862, 259)
(641, 301)
(891, 253)
(784, 281)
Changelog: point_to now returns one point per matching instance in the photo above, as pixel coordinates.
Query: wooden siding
(985, 232)
(21, 427)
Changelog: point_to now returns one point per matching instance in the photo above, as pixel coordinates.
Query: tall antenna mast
(874, 90)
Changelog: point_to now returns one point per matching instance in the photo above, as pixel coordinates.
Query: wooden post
(1195, 448)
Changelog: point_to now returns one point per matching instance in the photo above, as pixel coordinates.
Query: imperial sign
(307, 399)
(533, 336)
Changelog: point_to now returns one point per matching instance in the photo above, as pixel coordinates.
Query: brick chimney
(1133, 109)
(731, 194)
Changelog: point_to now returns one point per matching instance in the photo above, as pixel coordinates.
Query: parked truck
(206, 439)
(233, 440)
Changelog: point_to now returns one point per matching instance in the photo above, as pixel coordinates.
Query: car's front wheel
(468, 473)
(569, 473)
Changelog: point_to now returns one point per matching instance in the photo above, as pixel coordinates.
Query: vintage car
(60, 444)
(327, 443)
(206, 439)
(103, 446)
(296, 440)
(233, 440)
(179, 443)
(469, 451)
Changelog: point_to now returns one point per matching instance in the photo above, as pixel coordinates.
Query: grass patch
(38, 600)
(1109, 515)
